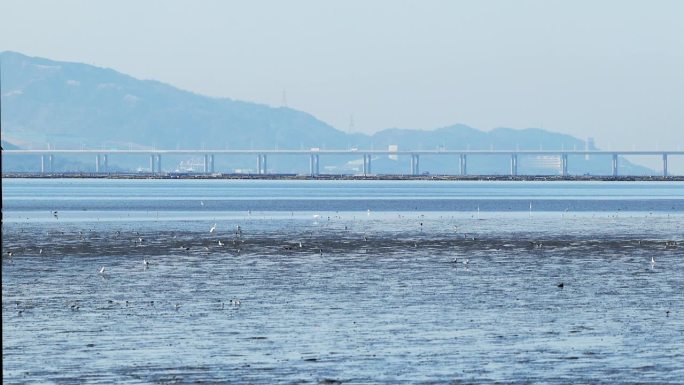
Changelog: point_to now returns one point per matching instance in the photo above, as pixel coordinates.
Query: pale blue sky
(609, 69)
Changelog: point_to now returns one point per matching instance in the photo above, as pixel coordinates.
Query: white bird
(212, 229)
(652, 261)
(220, 243)
(40, 251)
(146, 263)
(102, 270)
(465, 261)
(300, 245)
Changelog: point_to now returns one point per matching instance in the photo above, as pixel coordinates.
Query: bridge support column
(318, 165)
(313, 165)
(564, 164)
(42, 164)
(152, 164)
(97, 163)
(159, 168)
(206, 163)
(50, 162)
(463, 164)
(664, 164)
(105, 159)
(366, 164)
(415, 164)
(262, 165)
(615, 164)
(514, 164)
(258, 168)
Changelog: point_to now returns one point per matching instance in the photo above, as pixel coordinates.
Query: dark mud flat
(345, 300)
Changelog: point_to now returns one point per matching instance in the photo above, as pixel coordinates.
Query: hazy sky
(609, 69)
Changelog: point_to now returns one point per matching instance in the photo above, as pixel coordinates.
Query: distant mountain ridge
(74, 105)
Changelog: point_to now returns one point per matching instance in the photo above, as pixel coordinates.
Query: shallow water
(370, 296)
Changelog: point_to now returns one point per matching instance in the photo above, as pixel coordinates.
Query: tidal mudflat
(307, 296)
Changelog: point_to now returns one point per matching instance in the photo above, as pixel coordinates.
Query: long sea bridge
(155, 156)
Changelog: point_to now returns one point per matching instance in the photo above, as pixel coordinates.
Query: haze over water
(349, 281)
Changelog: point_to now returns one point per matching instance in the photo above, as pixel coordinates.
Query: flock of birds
(236, 302)
(464, 262)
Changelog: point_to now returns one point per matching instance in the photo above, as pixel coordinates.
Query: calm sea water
(342, 281)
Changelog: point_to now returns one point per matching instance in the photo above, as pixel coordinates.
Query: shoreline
(80, 175)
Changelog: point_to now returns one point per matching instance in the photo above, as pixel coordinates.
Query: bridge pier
(152, 164)
(105, 159)
(50, 162)
(370, 169)
(615, 164)
(415, 164)
(206, 163)
(97, 163)
(564, 164)
(42, 164)
(159, 162)
(514, 164)
(366, 164)
(311, 165)
(314, 167)
(262, 166)
(463, 164)
(664, 164)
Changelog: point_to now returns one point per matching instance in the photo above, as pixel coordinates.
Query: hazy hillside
(72, 105)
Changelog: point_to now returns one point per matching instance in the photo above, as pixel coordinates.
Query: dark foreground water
(342, 282)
